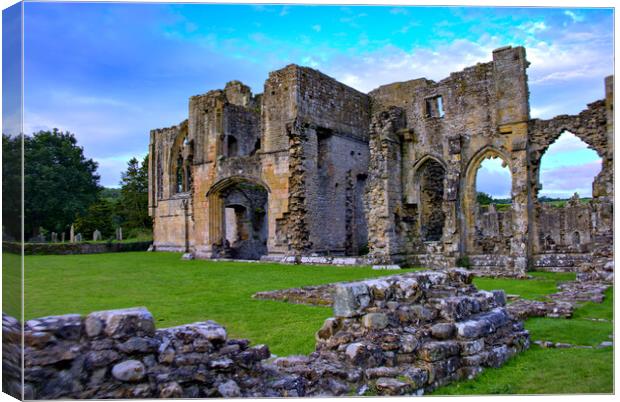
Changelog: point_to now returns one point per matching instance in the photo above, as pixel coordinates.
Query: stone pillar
(384, 193)
(298, 232)
(520, 244)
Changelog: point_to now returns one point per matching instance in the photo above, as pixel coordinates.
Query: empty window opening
(179, 175)
(434, 107)
(576, 238)
(323, 136)
(567, 167)
(232, 146)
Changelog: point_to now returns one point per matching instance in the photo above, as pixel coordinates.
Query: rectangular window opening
(434, 106)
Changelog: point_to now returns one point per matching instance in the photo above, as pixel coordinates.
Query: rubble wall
(403, 334)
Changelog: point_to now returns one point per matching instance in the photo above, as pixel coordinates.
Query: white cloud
(390, 64)
(533, 27)
(316, 28)
(574, 16)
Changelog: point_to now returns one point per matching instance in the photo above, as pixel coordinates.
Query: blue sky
(110, 72)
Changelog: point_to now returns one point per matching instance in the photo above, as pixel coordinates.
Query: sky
(111, 72)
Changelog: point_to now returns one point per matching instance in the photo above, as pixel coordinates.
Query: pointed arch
(469, 193)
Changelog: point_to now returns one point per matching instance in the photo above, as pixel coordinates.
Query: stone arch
(468, 195)
(238, 205)
(429, 174)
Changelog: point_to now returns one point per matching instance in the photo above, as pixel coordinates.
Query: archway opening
(567, 167)
(244, 228)
(430, 176)
(492, 229)
(566, 175)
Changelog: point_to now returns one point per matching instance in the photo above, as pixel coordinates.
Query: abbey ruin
(312, 170)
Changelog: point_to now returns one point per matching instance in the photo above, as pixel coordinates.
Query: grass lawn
(179, 292)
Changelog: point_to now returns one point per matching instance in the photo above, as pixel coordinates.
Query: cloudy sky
(110, 72)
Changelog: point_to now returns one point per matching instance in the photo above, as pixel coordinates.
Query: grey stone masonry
(402, 334)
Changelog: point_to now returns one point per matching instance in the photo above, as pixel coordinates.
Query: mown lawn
(179, 292)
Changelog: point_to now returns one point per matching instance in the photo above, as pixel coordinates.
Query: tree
(484, 198)
(11, 186)
(59, 182)
(134, 196)
(99, 216)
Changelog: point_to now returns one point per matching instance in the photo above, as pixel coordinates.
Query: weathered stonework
(397, 335)
(389, 175)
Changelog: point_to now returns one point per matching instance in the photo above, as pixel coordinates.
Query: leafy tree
(11, 186)
(99, 216)
(484, 198)
(134, 196)
(111, 194)
(59, 181)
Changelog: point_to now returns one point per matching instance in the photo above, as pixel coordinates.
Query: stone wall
(391, 173)
(403, 334)
(74, 248)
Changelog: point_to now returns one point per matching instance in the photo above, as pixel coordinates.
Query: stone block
(350, 299)
(434, 351)
(375, 321)
(474, 328)
(129, 371)
(391, 386)
(472, 347)
(443, 330)
(120, 323)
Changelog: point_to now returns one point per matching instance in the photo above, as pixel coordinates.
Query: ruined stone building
(313, 170)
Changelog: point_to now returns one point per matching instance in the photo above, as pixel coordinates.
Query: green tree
(133, 201)
(59, 182)
(99, 216)
(11, 186)
(484, 198)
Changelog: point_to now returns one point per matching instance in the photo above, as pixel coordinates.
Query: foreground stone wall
(403, 334)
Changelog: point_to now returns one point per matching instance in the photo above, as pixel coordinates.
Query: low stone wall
(407, 334)
(402, 334)
(75, 248)
(557, 262)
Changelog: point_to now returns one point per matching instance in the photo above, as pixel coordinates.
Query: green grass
(11, 284)
(543, 371)
(543, 284)
(179, 292)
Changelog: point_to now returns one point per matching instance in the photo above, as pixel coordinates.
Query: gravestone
(72, 234)
(119, 233)
(62, 237)
(78, 238)
(54, 237)
(96, 235)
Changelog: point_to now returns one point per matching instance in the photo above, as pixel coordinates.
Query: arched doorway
(486, 208)
(238, 226)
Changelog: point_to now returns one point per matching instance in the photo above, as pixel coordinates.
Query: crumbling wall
(457, 122)
(404, 334)
(577, 228)
(493, 230)
(170, 208)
